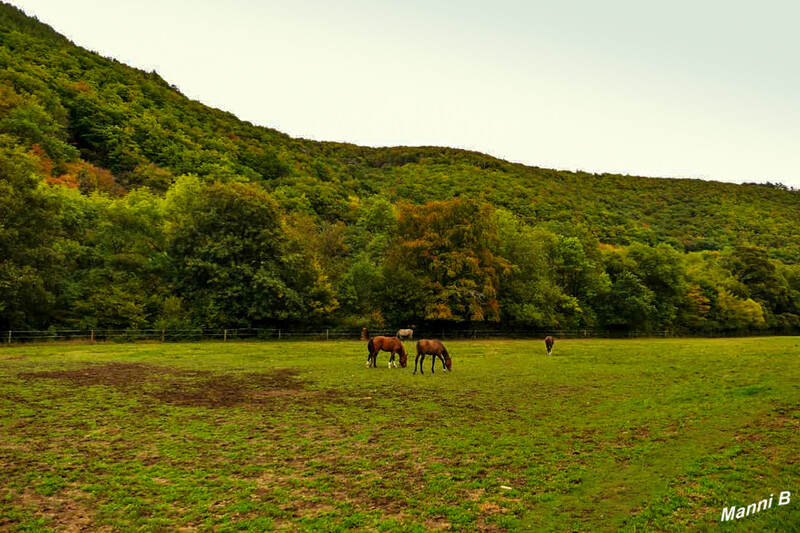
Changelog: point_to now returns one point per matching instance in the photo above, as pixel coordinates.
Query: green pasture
(606, 435)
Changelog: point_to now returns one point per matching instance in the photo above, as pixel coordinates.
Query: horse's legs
(391, 359)
(441, 358)
(421, 359)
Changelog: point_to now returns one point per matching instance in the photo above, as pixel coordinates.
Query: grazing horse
(386, 344)
(405, 334)
(436, 349)
(549, 342)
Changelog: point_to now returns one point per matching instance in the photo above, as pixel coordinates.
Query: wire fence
(278, 334)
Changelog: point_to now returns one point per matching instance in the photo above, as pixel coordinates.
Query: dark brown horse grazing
(436, 349)
(549, 342)
(386, 344)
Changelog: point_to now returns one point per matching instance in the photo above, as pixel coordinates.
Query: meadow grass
(605, 435)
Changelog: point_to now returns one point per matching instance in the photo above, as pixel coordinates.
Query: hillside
(124, 138)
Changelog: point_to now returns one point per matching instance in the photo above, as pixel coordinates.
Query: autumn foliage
(447, 248)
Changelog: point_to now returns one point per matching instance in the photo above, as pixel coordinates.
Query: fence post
(9, 337)
(279, 334)
(92, 336)
(162, 335)
(327, 334)
(225, 336)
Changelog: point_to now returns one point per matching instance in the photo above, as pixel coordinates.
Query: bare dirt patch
(230, 390)
(192, 388)
(120, 375)
(70, 512)
(12, 358)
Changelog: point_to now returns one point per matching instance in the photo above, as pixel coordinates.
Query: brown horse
(548, 343)
(386, 344)
(436, 349)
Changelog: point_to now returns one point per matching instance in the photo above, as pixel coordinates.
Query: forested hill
(129, 162)
(142, 130)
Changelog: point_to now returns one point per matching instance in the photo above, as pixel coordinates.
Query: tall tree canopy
(233, 259)
(446, 248)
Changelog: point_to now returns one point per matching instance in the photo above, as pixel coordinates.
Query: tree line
(227, 255)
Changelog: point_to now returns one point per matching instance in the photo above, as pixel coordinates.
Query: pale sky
(700, 89)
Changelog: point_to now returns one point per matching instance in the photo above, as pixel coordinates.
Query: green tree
(752, 267)
(628, 303)
(30, 261)
(234, 261)
(529, 291)
(662, 271)
(121, 279)
(738, 313)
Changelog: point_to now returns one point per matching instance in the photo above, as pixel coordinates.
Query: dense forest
(123, 204)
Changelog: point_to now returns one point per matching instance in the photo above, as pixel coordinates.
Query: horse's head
(449, 364)
(403, 359)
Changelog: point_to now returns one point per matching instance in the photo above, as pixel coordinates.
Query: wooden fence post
(279, 334)
(9, 337)
(225, 336)
(162, 335)
(327, 334)
(92, 336)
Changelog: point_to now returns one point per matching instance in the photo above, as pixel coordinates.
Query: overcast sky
(703, 89)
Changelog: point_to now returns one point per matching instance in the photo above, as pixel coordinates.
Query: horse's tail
(371, 345)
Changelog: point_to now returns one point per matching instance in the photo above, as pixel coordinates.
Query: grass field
(634, 435)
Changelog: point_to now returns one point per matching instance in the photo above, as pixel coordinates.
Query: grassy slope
(637, 435)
